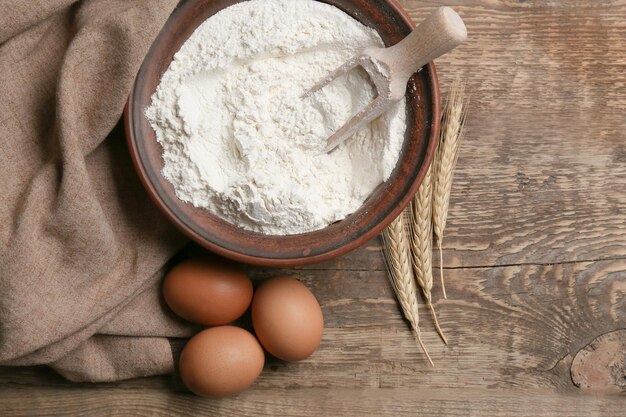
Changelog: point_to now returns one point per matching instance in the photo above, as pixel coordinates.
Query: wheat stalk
(396, 252)
(453, 123)
(421, 233)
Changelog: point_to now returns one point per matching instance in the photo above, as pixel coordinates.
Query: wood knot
(600, 367)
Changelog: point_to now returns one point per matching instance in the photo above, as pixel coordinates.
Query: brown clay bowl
(385, 203)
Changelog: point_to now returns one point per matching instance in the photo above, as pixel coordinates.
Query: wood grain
(306, 402)
(600, 367)
(535, 250)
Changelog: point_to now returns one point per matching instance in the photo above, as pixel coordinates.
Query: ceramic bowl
(219, 236)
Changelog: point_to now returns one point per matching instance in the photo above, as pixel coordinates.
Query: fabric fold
(111, 358)
(82, 248)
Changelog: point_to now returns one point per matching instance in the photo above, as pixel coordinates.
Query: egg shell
(208, 291)
(221, 361)
(287, 318)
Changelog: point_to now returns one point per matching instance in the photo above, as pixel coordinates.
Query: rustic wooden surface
(535, 253)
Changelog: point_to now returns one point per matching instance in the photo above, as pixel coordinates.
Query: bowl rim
(302, 260)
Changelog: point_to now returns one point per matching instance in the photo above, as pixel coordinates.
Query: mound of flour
(238, 139)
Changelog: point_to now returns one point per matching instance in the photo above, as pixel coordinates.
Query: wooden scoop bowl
(390, 68)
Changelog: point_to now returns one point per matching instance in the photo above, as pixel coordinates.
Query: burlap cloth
(82, 248)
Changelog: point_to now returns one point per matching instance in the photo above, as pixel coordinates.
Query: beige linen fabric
(82, 249)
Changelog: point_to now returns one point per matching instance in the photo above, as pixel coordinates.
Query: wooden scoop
(390, 68)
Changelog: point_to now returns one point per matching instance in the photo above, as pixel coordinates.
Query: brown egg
(207, 291)
(287, 318)
(221, 361)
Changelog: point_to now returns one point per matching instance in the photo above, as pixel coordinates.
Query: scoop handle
(442, 31)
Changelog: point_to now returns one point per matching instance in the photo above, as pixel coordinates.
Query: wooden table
(535, 253)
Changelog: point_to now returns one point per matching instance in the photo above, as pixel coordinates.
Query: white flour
(239, 141)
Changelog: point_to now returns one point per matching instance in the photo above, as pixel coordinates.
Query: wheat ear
(421, 233)
(396, 252)
(450, 138)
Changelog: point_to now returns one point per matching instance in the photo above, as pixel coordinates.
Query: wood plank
(508, 327)
(19, 401)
